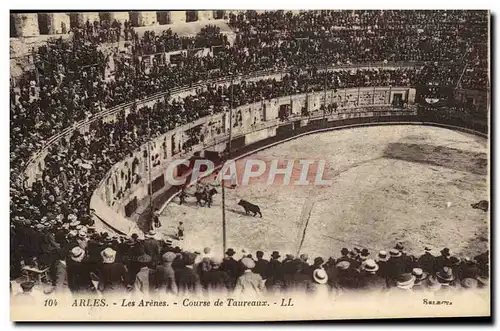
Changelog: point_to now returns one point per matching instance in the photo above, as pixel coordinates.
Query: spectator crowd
(89, 262)
(73, 81)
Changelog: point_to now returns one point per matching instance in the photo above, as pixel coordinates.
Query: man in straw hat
(249, 283)
(78, 271)
(382, 259)
(420, 278)
(144, 280)
(166, 275)
(404, 282)
(112, 274)
(347, 277)
(152, 246)
(395, 266)
(369, 278)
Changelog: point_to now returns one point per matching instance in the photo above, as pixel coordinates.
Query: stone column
(178, 16)
(205, 15)
(120, 16)
(26, 25)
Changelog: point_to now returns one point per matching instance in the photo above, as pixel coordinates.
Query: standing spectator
(188, 281)
(231, 266)
(180, 231)
(347, 277)
(144, 280)
(443, 260)
(275, 281)
(395, 266)
(165, 274)
(217, 281)
(446, 278)
(420, 278)
(152, 246)
(78, 270)
(112, 274)
(319, 288)
(369, 278)
(382, 260)
(261, 265)
(427, 261)
(404, 282)
(249, 283)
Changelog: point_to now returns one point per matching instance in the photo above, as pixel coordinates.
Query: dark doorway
(163, 17)
(73, 21)
(105, 16)
(218, 14)
(13, 32)
(397, 100)
(191, 15)
(43, 23)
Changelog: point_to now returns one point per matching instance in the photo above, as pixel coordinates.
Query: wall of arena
(36, 24)
(35, 165)
(126, 186)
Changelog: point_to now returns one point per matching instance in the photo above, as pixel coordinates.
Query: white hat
(370, 266)
(108, 255)
(320, 276)
(77, 254)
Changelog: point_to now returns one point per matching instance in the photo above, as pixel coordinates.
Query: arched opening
(74, 21)
(163, 17)
(43, 23)
(105, 16)
(191, 15)
(218, 14)
(13, 32)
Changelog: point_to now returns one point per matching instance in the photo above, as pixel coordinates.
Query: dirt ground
(413, 184)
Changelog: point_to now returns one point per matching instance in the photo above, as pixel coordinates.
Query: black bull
(250, 208)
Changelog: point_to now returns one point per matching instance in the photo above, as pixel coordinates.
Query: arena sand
(413, 184)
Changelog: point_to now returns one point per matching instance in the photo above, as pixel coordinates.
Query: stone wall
(29, 25)
(25, 25)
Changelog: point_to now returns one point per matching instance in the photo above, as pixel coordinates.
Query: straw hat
(248, 263)
(395, 253)
(370, 266)
(343, 265)
(419, 274)
(405, 281)
(108, 255)
(382, 256)
(77, 254)
(320, 276)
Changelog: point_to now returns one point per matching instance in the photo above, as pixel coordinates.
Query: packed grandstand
(51, 220)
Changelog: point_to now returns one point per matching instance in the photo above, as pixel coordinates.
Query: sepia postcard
(249, 165)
